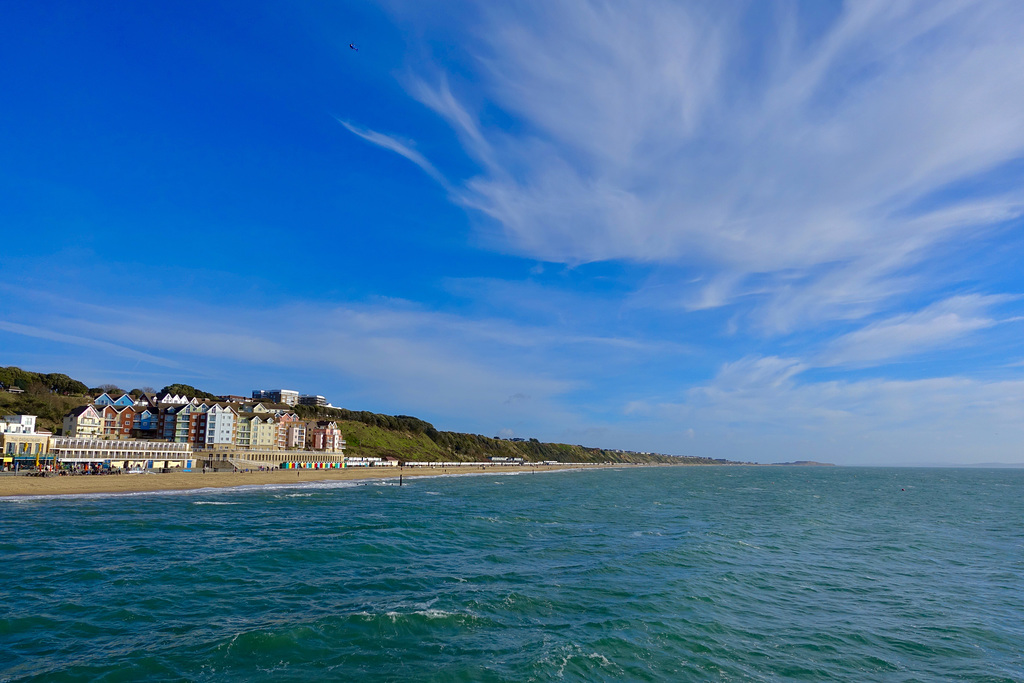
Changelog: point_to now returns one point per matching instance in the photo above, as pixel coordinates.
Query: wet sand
(182, 481)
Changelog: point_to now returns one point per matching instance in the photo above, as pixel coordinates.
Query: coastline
(21, 486)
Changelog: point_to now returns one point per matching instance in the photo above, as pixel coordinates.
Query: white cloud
(398, 147)
(668, 133)
(476, 371)
(441, 100)
(937, 326)
(761, 408)
(757, 372)
(87, 342)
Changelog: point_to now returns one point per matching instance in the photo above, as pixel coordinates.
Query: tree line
(36, 382)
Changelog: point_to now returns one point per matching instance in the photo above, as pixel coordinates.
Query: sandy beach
(182, 481)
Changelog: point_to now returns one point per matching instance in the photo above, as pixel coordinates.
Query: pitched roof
(75, 412)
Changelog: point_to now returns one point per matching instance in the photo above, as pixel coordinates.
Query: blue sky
(756, 231)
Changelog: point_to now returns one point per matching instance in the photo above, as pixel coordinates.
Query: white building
(83, 421)
(219, 425)
(71, 450)
(20, 444)
(286, 396)
(18, 424)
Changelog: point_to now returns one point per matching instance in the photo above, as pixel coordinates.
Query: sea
(725, 573)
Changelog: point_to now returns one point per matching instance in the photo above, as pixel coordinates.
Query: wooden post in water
(399, 479)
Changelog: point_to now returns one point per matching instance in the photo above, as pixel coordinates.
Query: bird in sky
(352, 46)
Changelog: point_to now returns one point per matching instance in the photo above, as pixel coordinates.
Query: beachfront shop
(100, 464)
(158, 465)
(316, 465)
(20, 462)
(25, 451)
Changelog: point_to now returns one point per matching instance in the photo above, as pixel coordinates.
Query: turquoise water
(662, 574)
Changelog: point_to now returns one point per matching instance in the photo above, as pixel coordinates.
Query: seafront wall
(229, 458)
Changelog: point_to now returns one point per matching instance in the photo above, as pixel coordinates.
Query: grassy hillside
(371, 441)
(409, 438)
(50, 408)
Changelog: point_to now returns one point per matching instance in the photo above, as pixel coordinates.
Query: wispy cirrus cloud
(398, 147)
(79, 340)
(813, 154)
(939, 325)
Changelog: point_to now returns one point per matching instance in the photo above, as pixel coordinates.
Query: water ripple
(728, 574)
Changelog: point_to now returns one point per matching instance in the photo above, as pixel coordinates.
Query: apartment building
(286, 396)
(217, 425)
(83, 421)
(117, 421)
(324, 435)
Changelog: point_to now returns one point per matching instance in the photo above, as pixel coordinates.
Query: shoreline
(26, 486)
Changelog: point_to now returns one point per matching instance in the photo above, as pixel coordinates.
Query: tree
(37, 388)
(56, 382)
(60, 383)
(111, 389)
(12, 376)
